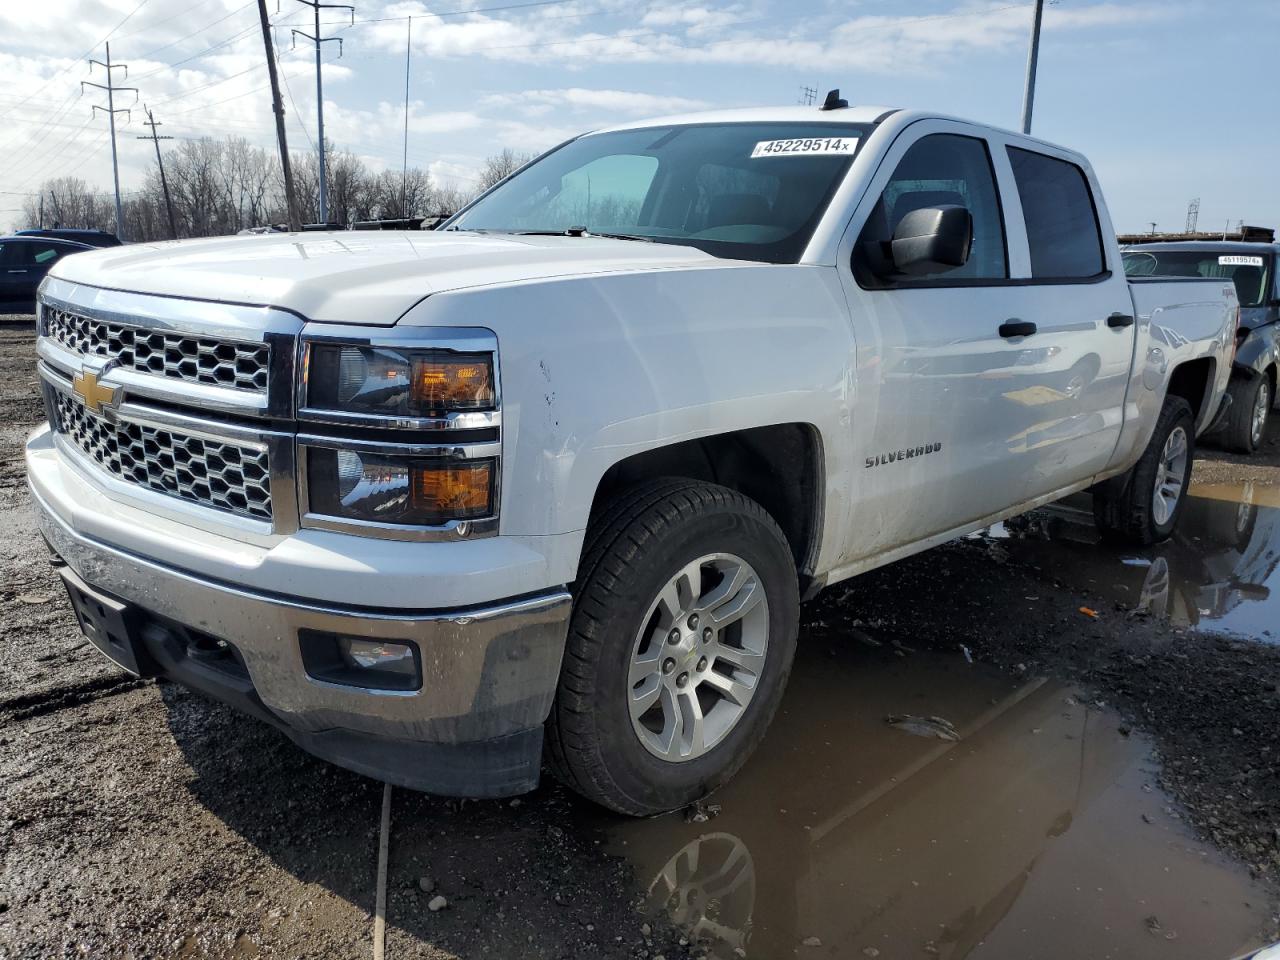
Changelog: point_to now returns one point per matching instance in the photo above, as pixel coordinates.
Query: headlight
(394, 489)
(388, 381)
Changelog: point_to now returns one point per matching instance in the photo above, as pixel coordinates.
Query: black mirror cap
(932, 240)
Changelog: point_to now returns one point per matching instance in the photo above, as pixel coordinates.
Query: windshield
(751, 191)
(1248, 271)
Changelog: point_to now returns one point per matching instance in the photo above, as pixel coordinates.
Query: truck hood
(357, 277)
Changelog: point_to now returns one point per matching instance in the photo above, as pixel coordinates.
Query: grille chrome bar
(212, 356)
(224, 476)
(206, 360)
(205, 473)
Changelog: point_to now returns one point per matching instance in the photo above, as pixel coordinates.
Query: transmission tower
(317, 6)
(1193, 215)
(808, 96)
(110, 110)
(164, 183)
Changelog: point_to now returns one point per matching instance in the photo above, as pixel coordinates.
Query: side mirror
(932, 240)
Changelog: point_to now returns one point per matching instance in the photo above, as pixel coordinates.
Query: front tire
(1143, 507)
(679, 648)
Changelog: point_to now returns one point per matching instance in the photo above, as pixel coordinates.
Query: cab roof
(856, 114)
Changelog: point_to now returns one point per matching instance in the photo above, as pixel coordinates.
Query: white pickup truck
(559, 474)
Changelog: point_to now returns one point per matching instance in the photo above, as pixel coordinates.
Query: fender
(600, 368)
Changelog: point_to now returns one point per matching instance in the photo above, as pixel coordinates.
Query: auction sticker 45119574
(806, 147)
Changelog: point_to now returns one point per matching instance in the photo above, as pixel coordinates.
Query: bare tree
(222, 186)
(500, 166)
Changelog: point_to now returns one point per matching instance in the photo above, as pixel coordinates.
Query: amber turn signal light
(456, 490)
(447, 384)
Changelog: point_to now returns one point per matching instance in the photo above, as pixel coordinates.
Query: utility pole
(42, 210)
(164, 183)
(808, 95)
(404, 168)
(317, 6)
(111, 111)
(1033, 60)
(277, 106)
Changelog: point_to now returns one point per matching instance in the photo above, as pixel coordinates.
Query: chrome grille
(209, 360)
(211, 473)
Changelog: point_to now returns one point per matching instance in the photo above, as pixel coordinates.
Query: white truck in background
(559, 474)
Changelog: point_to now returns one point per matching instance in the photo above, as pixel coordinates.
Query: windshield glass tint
(1249, 271)
(748, 191)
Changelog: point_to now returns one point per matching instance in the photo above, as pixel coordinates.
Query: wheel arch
(1193, 380)
(779, 466)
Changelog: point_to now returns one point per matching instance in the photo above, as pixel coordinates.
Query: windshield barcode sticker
(1239, 260)
(806, 147)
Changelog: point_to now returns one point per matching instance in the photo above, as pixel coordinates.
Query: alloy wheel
(1170, 476)
(698, 657)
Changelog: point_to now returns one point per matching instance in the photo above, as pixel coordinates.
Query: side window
(941, 169)
(1062, 223)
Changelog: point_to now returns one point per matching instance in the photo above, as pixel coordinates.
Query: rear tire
(1250, 412)
(1144, 505)
(679, 579)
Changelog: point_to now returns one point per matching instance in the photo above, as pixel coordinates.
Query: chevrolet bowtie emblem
(95, 395)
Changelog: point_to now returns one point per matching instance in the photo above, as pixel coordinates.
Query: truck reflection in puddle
(1219, 572)
(1039, 834)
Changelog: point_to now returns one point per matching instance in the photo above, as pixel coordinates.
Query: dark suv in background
(24, 260)
(92, 238)
(1252, 267)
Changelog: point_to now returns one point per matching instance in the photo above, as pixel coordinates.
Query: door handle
(1013, 327)
(1119, 320)
(17, 271)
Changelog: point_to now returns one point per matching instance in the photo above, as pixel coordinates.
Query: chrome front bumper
(489, 673)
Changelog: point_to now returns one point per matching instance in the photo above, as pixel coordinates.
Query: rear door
(1081, 306)
(28, 260)
(14, 274)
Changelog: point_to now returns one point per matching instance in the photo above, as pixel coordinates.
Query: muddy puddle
(1039, 833)
(1219, 572)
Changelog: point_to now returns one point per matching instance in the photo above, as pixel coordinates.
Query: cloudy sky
(1170, 99)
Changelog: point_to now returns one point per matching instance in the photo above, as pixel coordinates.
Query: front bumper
(474, 728)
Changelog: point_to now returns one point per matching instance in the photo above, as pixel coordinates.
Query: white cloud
(606, 101)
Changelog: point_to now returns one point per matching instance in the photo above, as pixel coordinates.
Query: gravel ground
(138, 820)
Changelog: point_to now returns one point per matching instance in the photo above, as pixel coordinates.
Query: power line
(174, 43)
(83, 56)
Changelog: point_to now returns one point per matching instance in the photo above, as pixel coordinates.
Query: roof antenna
(834, 101)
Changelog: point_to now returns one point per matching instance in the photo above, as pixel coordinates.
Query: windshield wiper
(580, 232)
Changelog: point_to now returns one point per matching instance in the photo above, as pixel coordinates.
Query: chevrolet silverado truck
(551, 481)
(1251, 267)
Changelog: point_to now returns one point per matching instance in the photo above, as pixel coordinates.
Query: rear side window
(1062, 223)
(941, 169)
